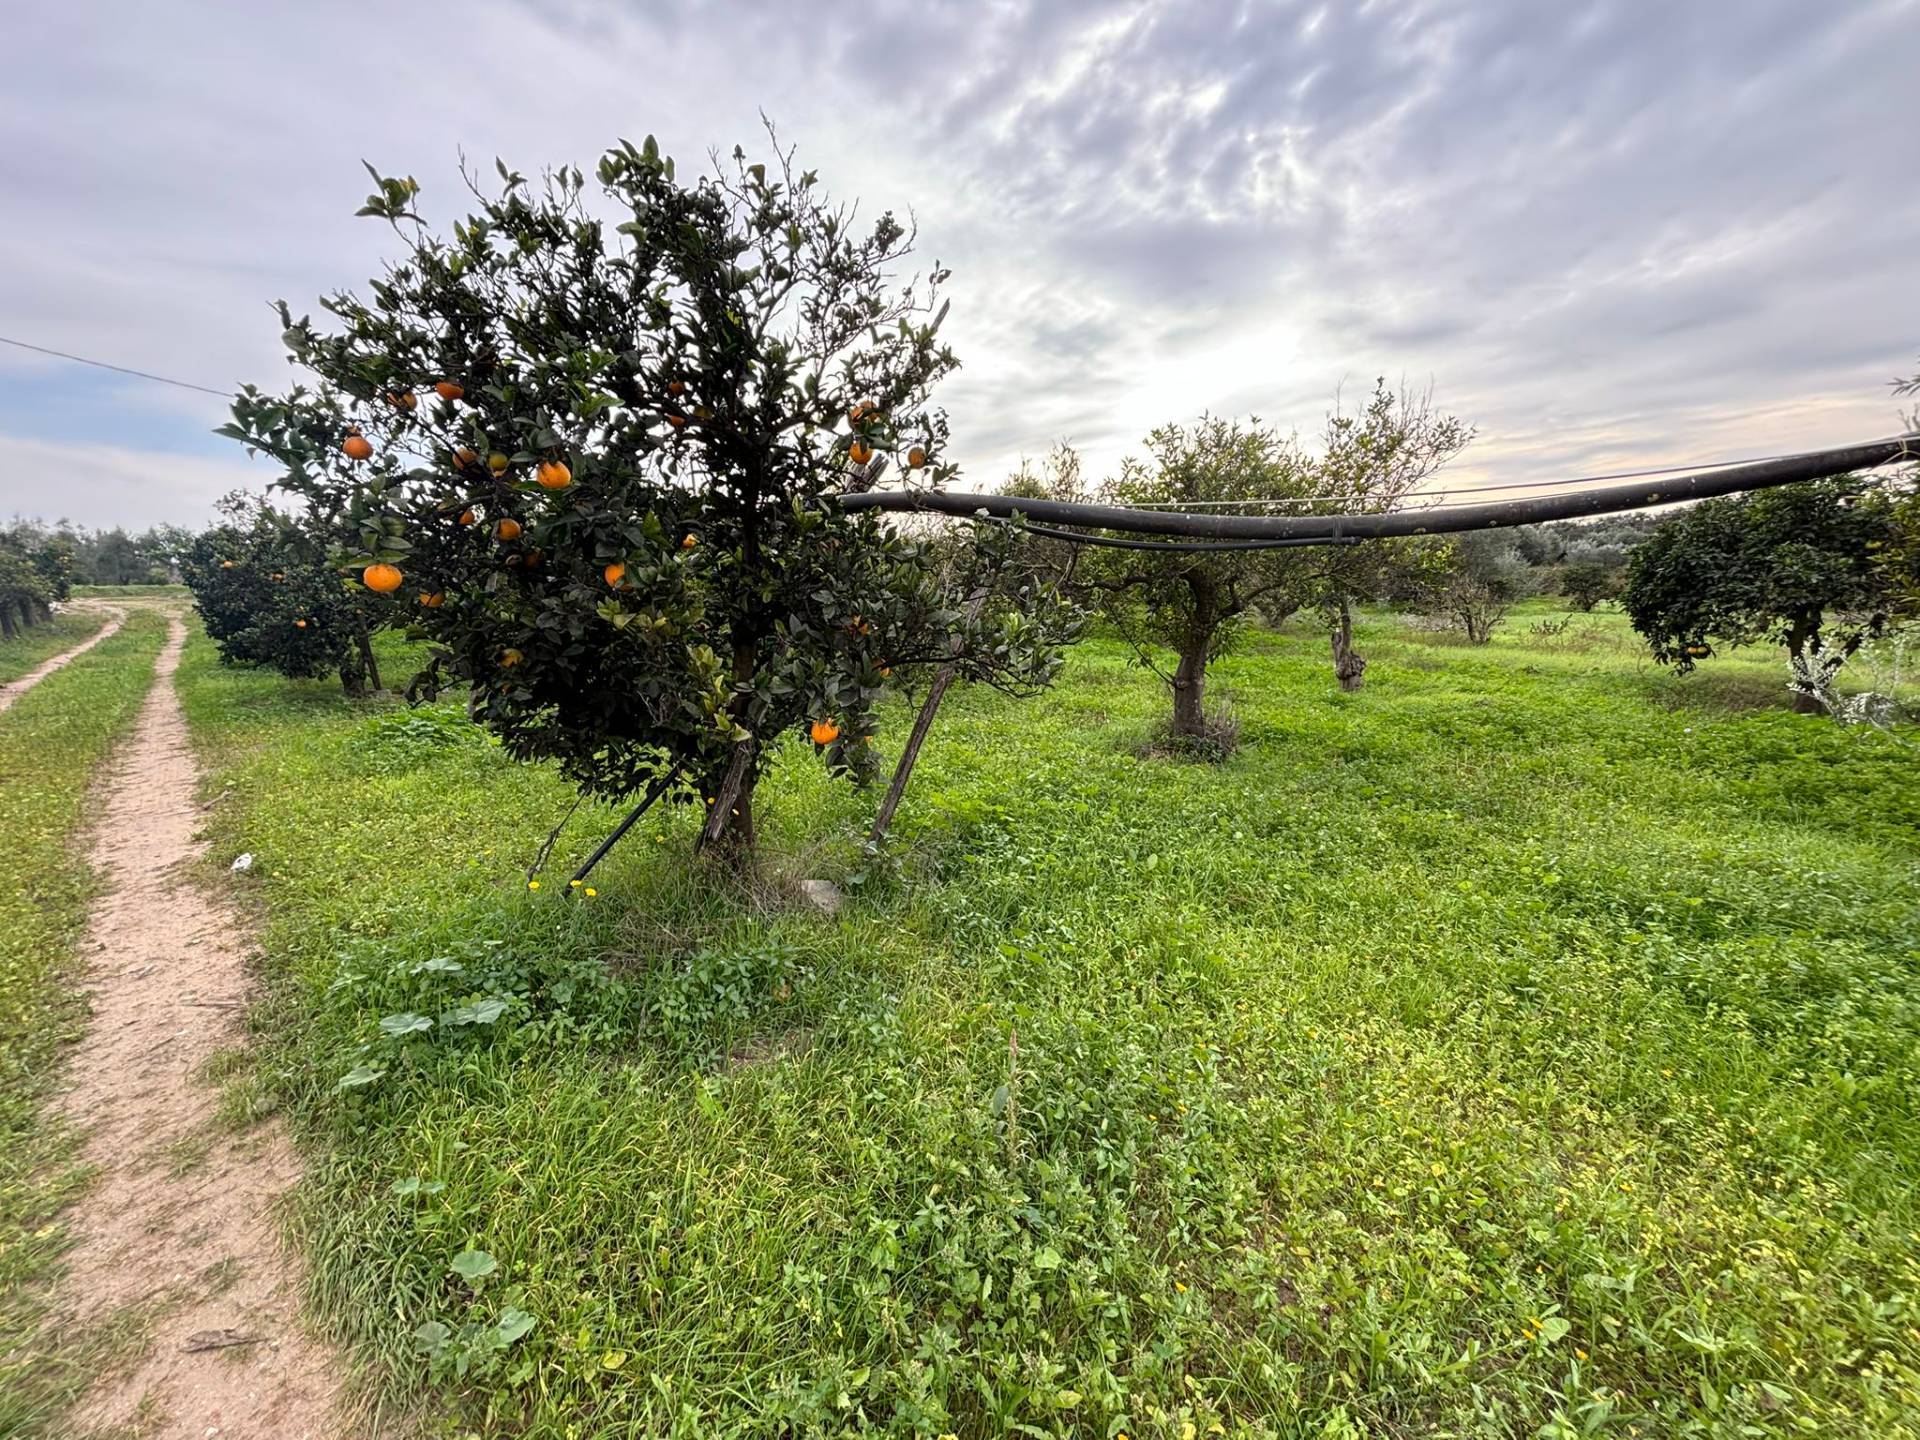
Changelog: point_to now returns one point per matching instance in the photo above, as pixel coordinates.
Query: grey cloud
(1627, 225)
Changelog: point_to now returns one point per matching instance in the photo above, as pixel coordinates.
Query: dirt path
(180, 1223)
(13, 690)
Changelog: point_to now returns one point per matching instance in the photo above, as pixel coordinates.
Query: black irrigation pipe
(1337, 529)
(1166, 547)
(654, 792)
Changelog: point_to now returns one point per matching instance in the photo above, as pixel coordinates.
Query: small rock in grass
(822, 895)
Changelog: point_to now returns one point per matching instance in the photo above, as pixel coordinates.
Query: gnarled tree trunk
(1190, 676)
(1190, 687)
(728, 833)
(1349, 665)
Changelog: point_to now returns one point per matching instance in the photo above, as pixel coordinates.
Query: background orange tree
(601, 444)
(268, 595)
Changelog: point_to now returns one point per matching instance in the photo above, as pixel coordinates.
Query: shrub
(1586, 583)
(1767, 566)
(267, 596)
(25, 596)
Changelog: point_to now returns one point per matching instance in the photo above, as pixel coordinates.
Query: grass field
(131, 592)
(1525, 1045)
(51, 742)
(29, 648)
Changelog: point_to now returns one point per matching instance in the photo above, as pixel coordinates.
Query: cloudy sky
(1611, 232)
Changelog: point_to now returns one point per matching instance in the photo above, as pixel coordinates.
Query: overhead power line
(118, 369)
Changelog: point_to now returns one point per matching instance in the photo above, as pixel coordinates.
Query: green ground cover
(29, 648)
(1524, 1045)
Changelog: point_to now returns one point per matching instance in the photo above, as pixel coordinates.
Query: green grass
(30, 648)
(1528, 1044)
(51, 743)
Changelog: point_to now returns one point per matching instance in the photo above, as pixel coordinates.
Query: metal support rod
(1814, 465)
(654, 792)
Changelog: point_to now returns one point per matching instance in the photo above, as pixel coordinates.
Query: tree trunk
(366, 653)
(729, 832)
(7, 627)
(1190, 687)
(1349, 665)
(737, 839)
(352, 680)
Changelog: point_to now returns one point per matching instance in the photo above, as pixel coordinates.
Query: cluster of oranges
(552, 474)
(861, 418)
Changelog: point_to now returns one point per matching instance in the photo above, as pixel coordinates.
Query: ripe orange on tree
(448, 390)
(615, 573)
(676, 387)
(860, 452)
(463, 457)
(824, 732)
(381, 578)
(300, 624)
(357, 447)
(688, 543)
(676, 421)
(511, 656)
(553, 475)
(434, 600)
(508, 529)
(916, 458)
(466, 517)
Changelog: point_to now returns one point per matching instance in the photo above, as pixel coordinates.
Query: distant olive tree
(1370, 463)
(1479, 576)
(1180, 610)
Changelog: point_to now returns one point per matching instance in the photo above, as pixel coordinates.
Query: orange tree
(602, 453)
(268, 596)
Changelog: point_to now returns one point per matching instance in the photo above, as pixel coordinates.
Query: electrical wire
(118, 369)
